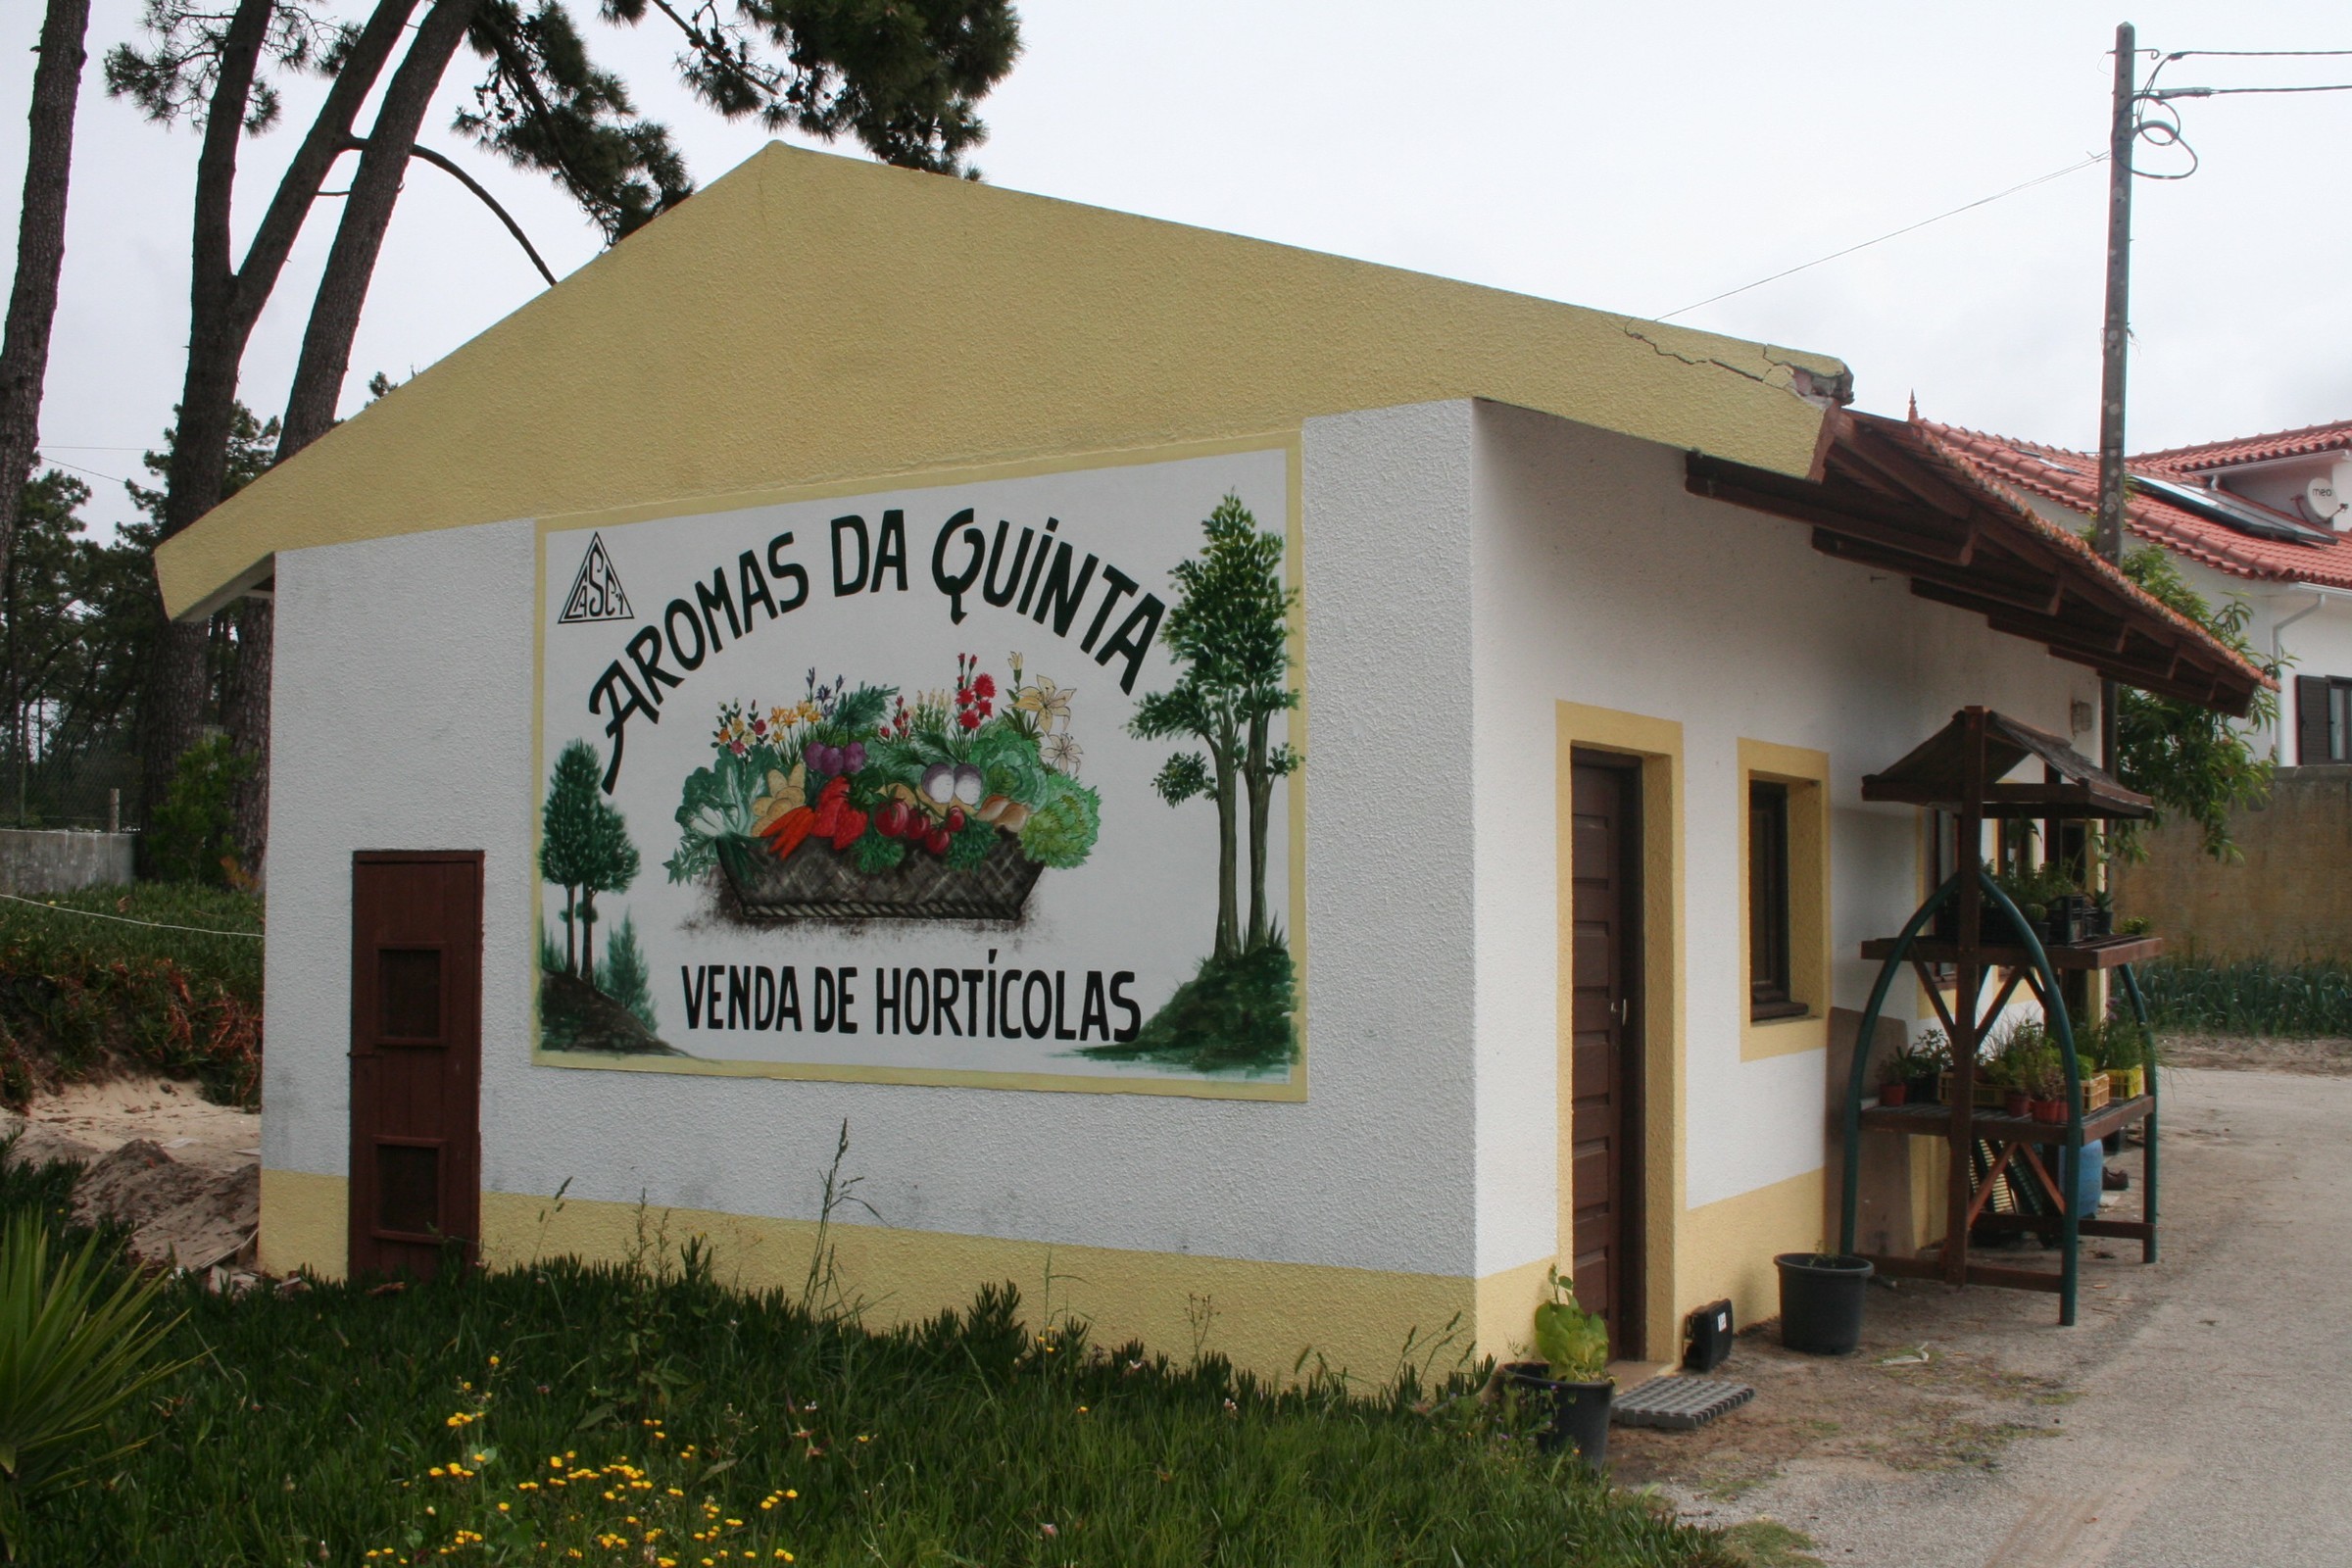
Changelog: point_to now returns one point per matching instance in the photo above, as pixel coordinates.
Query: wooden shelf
(2098, 952)
(1935, 1121)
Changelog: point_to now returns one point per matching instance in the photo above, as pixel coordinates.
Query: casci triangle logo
(596, 592)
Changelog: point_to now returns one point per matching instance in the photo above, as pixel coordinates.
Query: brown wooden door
(1606, 1030)
(415, 1058)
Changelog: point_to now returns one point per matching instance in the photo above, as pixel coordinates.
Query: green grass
(234, 962)
(341, 1426)
(2250, 996)
(79, 992)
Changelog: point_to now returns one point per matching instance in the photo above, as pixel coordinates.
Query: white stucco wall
(1601, 581)
(403, 721)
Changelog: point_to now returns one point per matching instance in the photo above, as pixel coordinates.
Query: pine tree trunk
(224, 303)
(571, 946)
(1260, 783)
(319, 378)
(40, 255)
(245, 714)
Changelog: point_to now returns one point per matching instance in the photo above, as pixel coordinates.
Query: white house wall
(1601, 581)
(403, 721)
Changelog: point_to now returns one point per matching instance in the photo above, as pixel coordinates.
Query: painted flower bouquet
(855, 802)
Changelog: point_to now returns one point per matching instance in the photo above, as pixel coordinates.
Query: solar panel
(2219, 505)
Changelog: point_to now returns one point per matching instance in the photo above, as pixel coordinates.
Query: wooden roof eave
(1880, 507)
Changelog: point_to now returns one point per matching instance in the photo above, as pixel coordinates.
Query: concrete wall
(2289, 898)
(46, 861)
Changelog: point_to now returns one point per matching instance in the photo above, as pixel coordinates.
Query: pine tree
(624, 976)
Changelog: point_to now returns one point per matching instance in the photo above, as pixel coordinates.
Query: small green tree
(584, 849)
(1230, 628)
(2189, 758)
(190, 837)
(624, 976)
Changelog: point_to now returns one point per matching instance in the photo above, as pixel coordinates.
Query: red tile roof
(2070, 479)
(2210, 455)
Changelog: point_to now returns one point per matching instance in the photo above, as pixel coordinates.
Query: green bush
(191, 836)
(168, 976)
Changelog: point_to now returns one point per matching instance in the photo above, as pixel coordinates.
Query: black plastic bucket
(1574, 1413)
(1821, 1302)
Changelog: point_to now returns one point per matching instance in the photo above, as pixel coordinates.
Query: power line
(1982, 201)
(2254, 54)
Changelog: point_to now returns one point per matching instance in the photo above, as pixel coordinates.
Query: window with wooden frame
(1768, 911)
(2322, 720)
(1784, 883)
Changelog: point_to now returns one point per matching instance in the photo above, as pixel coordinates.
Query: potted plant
(1929, 1059)
(2126, 1053)
(1821, 1302)
(2102, 913)
(2048, 1089)
(1895, 1076)
(1571, 1385)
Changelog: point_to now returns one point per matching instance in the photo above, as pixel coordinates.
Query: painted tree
(904, 79)
(584, 849)
(1228, 627)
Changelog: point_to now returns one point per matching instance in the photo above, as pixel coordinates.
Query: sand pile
(183, 1174)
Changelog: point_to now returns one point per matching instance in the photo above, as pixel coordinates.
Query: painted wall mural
(990, 783)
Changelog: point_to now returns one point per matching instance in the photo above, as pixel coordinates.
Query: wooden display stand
(1955, 771)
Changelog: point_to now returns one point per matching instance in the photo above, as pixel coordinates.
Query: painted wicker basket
(815, 882)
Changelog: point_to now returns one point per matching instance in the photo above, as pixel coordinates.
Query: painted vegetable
(939, 783)
(891, 820)
(852, 758)
(969, 784)
(936, 841)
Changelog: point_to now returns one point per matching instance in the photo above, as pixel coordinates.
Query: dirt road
(2196, 1418)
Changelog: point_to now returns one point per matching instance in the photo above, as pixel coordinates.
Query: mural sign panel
(987, 783)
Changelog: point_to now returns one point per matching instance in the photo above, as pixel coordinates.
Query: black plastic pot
(1821, 1302)
(1574, 1413)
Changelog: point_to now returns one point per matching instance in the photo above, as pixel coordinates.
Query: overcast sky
(1635, 159)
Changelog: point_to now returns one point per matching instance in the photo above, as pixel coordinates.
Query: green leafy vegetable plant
(1574, 1342)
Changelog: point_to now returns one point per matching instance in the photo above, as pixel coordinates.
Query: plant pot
(2017, 1103)
(1895, 1093)
(1572, 1413)
(1923, 1091)
(2103, 922)
(2127, 1082)
(815, 882)
(1821, 1302)
(2052, 1111)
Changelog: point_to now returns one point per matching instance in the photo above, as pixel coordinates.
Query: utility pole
(2122, 131)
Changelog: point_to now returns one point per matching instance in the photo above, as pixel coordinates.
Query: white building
(1599, 625)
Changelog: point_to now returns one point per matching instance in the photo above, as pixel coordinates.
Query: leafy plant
(191, 836)
(1574, 1342)
(75, 1349)
(2194, 761)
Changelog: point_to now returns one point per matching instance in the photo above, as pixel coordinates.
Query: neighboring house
(597, 869)
(2264, 518)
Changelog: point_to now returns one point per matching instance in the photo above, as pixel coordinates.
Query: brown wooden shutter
(2311, 720)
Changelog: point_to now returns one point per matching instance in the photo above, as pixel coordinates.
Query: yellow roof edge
(810, 318)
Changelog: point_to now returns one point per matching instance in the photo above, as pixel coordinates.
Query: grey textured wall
(39, 861)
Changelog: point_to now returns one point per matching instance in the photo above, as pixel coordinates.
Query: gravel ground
(2195, 1418)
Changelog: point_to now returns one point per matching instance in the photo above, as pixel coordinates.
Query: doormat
(1678, 1404)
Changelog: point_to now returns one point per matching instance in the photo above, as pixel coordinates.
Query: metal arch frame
(2042, 978)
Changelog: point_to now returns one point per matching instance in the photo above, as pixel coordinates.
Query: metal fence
(95, 789)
